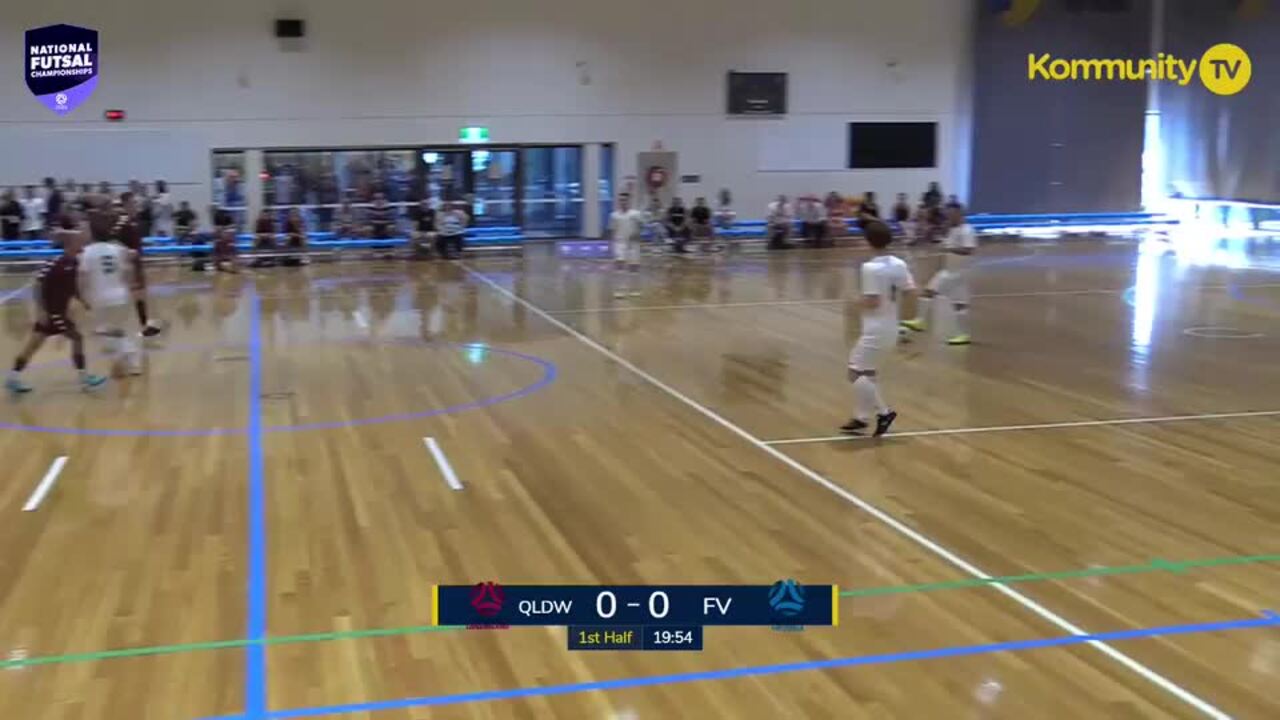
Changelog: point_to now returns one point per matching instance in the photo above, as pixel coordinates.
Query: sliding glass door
(494, 185)
(552, 191)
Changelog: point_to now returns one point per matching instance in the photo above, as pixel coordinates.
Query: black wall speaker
(290, 28)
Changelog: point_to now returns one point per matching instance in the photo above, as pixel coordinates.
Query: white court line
(821, 301)
(443, 462)
(830, 301)
(1145, 672)
(13, 293)
(1034, 426)
(45, 485)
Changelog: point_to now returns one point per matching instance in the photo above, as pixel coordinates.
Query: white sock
(962, 319)
(877, 398)
(922, 312)
(867, 398)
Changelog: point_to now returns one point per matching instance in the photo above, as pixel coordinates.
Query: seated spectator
(725, 215)
(295, 239)
(184, 221)
(11, 215)
(677, 225)
(451, 226)
(814, 216)
(424, 233)
(930, 223)
(701, 230)
(868, 210)
(264, 239)
(933, 196)
(146, 213)
(32, 212)
(53, 204)
(837, 213)
(162, 206)
(779, 222)
(345, 225)
(70, 196)
(381, 218)
(224, 241)
(654, 221)
(901, 209)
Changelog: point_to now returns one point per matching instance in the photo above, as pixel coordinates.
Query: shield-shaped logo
(61, 65)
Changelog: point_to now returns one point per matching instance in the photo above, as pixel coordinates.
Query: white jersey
(959, 237)
(887, 277)
(162, 211)
(102, 271)
(34, 209)
(626, 224)
(451, 223)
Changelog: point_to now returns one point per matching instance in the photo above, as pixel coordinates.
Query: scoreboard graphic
(636, 617)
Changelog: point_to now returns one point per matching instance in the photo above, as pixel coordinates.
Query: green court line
(1157, 565)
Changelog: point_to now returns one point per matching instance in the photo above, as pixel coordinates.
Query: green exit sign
(473, 135)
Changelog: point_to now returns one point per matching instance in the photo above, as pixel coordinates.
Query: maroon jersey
(225, 245)
(296, 235)
(129, 233)
(58, 281)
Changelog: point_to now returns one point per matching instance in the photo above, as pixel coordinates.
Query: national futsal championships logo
(61, 65)
(1224, 69)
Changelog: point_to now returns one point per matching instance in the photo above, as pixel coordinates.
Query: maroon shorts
(57, 324)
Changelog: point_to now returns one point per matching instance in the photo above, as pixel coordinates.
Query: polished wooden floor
(577, 468)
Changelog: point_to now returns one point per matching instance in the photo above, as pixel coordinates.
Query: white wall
(195, 76)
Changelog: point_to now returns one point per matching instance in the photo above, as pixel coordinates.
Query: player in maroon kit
(128, 232)
(56, 284)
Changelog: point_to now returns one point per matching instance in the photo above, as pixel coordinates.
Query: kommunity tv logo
(1224, 69)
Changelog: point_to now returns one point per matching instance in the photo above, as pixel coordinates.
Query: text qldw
(529, 608)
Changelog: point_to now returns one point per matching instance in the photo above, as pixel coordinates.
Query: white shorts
(951, 284)
(627, 251)
(871, 351)
(113, 321)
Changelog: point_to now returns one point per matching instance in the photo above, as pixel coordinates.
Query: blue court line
(550, 372)
(1269, 619)
(255, 683)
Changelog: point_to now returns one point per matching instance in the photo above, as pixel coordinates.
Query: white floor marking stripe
(823, 301)
(1036, 426)
(830, 301)
(13, 293)
(445, 468)
(942, 552)
(45, 485)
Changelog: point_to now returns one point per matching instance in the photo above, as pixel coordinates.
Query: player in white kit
(106, 279)
(952, 282)
(885, 279)
(626, 229)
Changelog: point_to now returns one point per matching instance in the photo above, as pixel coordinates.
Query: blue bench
(482, 237)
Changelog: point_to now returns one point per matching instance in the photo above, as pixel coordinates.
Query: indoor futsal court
(1117, 464)
(672, 360)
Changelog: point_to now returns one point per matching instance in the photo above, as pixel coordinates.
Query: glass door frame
(468, 184)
